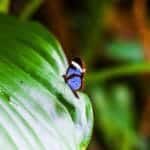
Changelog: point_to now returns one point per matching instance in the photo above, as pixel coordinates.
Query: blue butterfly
(74, 75)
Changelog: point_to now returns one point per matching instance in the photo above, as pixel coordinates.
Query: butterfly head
(78, 64)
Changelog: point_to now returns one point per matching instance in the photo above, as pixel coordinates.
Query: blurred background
(113, 38)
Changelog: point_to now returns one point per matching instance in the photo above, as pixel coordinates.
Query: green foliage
(114, 116)
(29, 9)
(125, 51)
(4, 6)
(38, 110)
(113, 104)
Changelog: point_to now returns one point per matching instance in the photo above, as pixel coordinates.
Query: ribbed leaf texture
(38, 111)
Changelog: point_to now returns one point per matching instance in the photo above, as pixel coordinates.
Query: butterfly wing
(75, 82)
(73, 71)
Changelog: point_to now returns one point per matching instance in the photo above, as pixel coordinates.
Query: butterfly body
(74, 75)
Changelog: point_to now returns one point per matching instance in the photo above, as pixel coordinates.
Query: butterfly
(74, 75)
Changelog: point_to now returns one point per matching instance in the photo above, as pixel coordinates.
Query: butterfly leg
(75, 94)
(64, 76)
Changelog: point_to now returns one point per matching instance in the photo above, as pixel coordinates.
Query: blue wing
(75, 83)
(73, 71)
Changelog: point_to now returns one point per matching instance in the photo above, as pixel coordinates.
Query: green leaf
(123, 70)
(114, 116)
(38, 110)
(125, 51)
(4, 6)
(31, 6)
